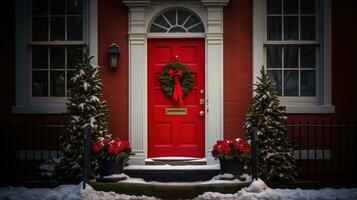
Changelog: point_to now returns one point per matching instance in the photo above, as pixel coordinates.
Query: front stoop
(172, 173)
(168, 190)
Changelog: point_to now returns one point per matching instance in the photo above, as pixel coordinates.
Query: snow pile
(258, 190)
(63, 192)
(256, 186)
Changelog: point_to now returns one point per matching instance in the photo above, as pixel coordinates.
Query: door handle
(201, 113)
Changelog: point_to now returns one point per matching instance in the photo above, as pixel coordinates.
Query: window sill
(39, 109)
(310, 109)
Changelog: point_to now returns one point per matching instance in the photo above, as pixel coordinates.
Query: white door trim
(141, 13)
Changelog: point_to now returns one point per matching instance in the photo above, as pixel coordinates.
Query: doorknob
(201, 113)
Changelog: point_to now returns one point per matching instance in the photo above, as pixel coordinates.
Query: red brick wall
(237, 65)
(113, 28)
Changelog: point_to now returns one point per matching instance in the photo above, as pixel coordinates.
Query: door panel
(174, 135)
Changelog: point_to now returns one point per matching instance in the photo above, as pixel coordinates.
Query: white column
(137, 81)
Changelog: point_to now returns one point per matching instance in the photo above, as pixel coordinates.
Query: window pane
(57, 28)
(274, 56)
(161, 21)
(308, 56)
(157, 29)
(291, 6)
(177, 29)
(75, 28)
(39, 84)
(57, 57)
(291, 56)
(74, 7)
(291, 82)
(274, 6)
(182, 16)
(308, 83)
(57, 83)
(308, 28)
(275, 77)
(291, 28)
(307, 6)
(39, 7)
(197, 29)
(274, 28)
(73, 56)
(39, 57)
(70, 74)
(40, 29)
(57, 7)
(171, 16)
(192, 21)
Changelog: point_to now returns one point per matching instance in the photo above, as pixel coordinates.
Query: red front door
(176, 135)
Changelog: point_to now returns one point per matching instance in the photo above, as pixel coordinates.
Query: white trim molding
(320, 104)
(24, 102)
(141, 14)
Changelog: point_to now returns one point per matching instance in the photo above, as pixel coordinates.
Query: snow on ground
(63, 192)
(258, 190)
(261, 192)
(285, 194)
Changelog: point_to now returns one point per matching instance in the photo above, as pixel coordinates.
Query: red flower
(243, 146)
(114, 149)
(97, 146)
(222, 147)
(107, 141)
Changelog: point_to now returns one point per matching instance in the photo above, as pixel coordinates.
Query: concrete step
(173, 173)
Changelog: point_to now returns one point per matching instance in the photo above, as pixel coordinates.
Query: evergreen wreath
(167, 78)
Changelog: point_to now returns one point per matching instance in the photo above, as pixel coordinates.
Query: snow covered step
(173, 173)
(175, 161)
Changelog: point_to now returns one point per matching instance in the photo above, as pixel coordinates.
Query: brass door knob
(201, 113)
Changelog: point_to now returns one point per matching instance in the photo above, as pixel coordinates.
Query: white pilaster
(137, 80)
(214, 77)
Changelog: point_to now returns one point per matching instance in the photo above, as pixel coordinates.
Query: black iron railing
(25, 145)
(321, 149)
(324, 149)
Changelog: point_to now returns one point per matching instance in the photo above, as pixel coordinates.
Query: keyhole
(176, 57)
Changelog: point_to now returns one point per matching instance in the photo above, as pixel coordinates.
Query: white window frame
(322, 102)
(24, 102)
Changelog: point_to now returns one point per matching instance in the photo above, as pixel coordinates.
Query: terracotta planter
(109, 167)
(234, 167)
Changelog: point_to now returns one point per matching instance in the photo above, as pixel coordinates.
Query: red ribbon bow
(177, 95)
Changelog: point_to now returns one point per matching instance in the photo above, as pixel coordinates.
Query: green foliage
(269, 118)
(167, 82)
(85, 108)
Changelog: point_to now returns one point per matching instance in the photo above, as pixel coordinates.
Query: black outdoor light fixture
(113, 56)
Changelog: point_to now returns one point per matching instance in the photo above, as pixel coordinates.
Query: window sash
(55, 43)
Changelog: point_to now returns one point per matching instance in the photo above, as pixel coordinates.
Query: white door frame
(141, 13)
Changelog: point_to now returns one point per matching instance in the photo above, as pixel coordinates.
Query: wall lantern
(113, 54)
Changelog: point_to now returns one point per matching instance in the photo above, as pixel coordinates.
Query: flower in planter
(111, 149)
(231, 149)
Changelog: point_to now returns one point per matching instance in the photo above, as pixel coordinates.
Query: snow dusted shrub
(85, 108)
(265, 113)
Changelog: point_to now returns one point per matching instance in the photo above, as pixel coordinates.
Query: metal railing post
(255, 155)
(86, 167)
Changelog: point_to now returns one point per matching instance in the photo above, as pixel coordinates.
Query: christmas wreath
(176, 81)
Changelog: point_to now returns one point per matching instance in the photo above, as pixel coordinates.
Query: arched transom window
(177, 21)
